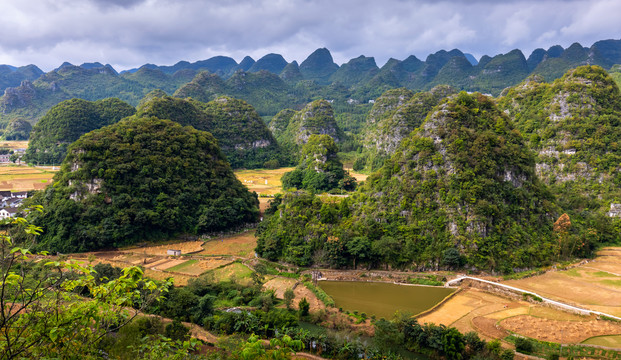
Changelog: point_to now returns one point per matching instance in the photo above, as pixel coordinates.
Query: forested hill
(271, 84)
(138, 179)
(460, 189)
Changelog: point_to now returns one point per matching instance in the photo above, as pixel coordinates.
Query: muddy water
(383, 299)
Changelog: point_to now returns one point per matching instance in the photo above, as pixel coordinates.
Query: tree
(41, 313)
(304, 307)
(288, 296)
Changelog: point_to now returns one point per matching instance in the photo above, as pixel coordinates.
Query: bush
(304, 307)
(524, 345)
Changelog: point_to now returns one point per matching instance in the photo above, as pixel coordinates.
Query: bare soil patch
(559, 331)
(488, 327)
(592, 285)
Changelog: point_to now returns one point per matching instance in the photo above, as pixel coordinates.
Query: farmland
(592, 284)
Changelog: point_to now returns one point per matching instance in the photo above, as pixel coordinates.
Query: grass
(613, 341)
(612, 282)
(182, 266)
(321, 295)
(603, 274)
(233, 272)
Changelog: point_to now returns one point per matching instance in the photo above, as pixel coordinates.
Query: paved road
(549, 301)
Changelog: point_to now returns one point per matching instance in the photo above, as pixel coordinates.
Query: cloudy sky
(129, 33)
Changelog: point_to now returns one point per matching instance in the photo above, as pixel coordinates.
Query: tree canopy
(141, 179)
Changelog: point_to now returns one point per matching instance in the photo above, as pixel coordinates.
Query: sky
(130, 33)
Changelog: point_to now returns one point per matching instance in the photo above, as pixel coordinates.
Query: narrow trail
(544, 299)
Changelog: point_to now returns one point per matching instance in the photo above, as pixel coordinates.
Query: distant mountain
(319, 66)
(11, 76)
(30, 100)
(279, 84)
(273, 63)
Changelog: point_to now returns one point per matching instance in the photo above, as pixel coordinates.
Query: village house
(8, 212)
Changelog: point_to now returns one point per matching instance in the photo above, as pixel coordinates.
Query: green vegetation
(65, 310)
(241, 134)
(141, 179)
(316, 118)
(463, 180)
(574, 126)
(393, 117)
(66, 122)
(17, 129)
(321, 295)
(320, 168)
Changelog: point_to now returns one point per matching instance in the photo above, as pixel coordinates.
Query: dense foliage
(464, 180)
(320, 168)
(242, 136)
(17, 129)
(316, 117)
(66, 122)
(140, 179)
(574, 126)
(393, 117)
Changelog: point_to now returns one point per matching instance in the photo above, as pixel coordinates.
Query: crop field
(263, 181)
(14, 144)
(24, 178)
(236, 272)
(595, 285)
(592, 285)
(242, 244)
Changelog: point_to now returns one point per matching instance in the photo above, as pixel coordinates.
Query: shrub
(524, 345)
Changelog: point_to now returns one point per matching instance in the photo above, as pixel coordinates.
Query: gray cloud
(129, 33)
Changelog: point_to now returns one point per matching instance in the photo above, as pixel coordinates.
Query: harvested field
(491, 316)
(24, 178)
(263, 181)
(186, 247)
(595, 285)
(179, 280)
(233, 272)
(488, 327)
(168, 264)
(14, 144)
(559, 331)
(242, 244)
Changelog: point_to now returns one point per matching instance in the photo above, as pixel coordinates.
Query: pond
(383, 299)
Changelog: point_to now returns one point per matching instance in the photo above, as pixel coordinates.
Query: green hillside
(141, 179)
(66, 122)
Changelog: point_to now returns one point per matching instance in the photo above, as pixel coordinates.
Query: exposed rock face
(393, 117)
(573, 124)
(17, 97)
(315, 118)
(615, 210)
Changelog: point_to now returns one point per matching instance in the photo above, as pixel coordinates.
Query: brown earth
(559, 331)
(242, 244)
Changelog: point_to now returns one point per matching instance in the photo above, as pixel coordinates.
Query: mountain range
(29, 92)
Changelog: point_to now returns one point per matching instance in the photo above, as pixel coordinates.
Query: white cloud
(128, 33)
